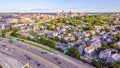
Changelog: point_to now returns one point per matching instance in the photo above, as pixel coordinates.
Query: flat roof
(4, 24)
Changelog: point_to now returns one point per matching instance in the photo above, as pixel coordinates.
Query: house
(88, 46)
(5, 26)
(118, 44)
(54, 34)
(87, 34)
(12, 20)
(92, 32)
(110, 55)
(89, 49)
(106, 38)
(20, 26)
(96, 44)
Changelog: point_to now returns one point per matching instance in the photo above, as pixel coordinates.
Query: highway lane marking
(38, 57)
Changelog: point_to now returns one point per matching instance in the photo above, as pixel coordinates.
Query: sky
(58, 5)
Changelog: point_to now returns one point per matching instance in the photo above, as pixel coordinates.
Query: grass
(1, 66)
(34, 44)
(37, 46)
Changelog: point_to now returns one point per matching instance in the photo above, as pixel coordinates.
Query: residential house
(110, 55)
(20, 26)
(5, 26)
(88, 46)
(89, 49)
(118, 44)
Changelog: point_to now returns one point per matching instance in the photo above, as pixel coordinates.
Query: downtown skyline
(58, 5)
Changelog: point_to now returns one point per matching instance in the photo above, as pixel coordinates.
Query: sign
(65, 51)
(13, 39)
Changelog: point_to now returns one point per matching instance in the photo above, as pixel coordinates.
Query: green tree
(62, 20)
(113, 46)
(118, 36)
(63, 40)
(94, 62)
(1, 66)
(74, 52)
(106, 29)
(118, 27)
(88, 28)
(53, 22)
(56, 38)
(104, 46)
(50, 28)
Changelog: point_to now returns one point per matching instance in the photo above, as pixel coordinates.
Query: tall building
(62, 12)
(70, 12)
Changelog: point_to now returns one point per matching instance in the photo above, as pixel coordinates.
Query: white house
(110, 55)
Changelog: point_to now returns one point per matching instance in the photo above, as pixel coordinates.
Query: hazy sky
(57, 5)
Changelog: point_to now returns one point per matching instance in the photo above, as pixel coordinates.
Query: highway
(55, 61)
(26, 57)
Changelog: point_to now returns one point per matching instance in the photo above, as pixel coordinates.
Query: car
(18, 45)
(59, 62)
(13, 49)
(6, 49)
(38, 64)
(44, 52)
(10, 41)
(4, 45)
(18, 39)
(55, 58)
(28, 58)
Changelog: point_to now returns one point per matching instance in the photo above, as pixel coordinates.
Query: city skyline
(58, 5)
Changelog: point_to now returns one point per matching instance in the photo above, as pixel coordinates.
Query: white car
(6, 49)
(4, 43)
(13, 49)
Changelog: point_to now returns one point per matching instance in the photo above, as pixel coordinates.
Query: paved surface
(73, 61)
(5, 61)
(26, 56)
(58, 60)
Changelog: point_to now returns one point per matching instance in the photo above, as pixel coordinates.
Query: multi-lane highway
(25, 56)
(37, 58)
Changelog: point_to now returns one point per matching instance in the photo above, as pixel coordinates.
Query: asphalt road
(5, 61)
(26, 57)
(23, 51)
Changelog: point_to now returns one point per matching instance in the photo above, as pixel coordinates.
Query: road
(74, 61)
(5, 61)
(23, 55)
(35, 53)
(62, 60)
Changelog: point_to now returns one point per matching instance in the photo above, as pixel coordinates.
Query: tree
(113, 46)
(88, 28)
(53, 22)
(115, 38)
(63, 40)
(118, 36)
(118, 27)
(62, 20)
(106, 29)
(99, 63)
(1, 66)
(113, 65)
(50, 28)
(73, 52)
(40, 28)
(56, 38)
(94, 62)
(104, 46)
